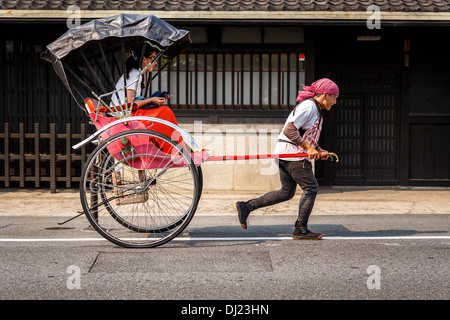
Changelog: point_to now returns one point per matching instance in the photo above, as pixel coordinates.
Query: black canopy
(82, 54)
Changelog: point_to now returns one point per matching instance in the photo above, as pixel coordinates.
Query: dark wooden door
(363, 127)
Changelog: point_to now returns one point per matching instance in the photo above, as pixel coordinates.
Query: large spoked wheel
(140, 189)
(107, 162)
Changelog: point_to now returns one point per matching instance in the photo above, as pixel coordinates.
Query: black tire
(139, 207)
(136, 228)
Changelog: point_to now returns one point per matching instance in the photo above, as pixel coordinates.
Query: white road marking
(230, 238)
(51, 239)
(323, 238)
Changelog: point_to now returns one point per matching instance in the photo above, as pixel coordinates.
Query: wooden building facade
(248, 59)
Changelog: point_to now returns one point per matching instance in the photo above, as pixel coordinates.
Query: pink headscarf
(319, 87)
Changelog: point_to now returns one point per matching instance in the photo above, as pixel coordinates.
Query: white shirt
(131, 85)
(304, 116)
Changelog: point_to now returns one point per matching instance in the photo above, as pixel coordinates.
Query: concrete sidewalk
(331, 200)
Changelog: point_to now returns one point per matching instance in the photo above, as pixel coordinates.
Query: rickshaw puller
(300, 134)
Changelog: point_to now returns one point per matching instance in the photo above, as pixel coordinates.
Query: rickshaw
(141, 185)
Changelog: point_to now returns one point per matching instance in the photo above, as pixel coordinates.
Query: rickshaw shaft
(268, 156)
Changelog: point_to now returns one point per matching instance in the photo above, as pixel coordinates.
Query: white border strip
(232, 239)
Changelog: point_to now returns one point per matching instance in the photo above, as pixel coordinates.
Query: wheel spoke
(133, 201)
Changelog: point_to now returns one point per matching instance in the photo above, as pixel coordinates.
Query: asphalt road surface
(361, 257)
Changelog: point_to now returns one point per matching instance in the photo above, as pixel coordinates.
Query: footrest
(119, 192)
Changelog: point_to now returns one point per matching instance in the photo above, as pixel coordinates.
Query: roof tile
(232, 5)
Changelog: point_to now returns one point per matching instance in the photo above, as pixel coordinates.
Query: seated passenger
(151, 106)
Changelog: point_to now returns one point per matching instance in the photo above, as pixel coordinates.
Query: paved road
(361, 257)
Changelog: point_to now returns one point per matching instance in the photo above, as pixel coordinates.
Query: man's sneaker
(308, 235)
(243, 213)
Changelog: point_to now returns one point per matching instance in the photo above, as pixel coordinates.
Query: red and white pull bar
(270, 156)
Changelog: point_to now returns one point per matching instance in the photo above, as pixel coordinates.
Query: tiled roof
(232, 5)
